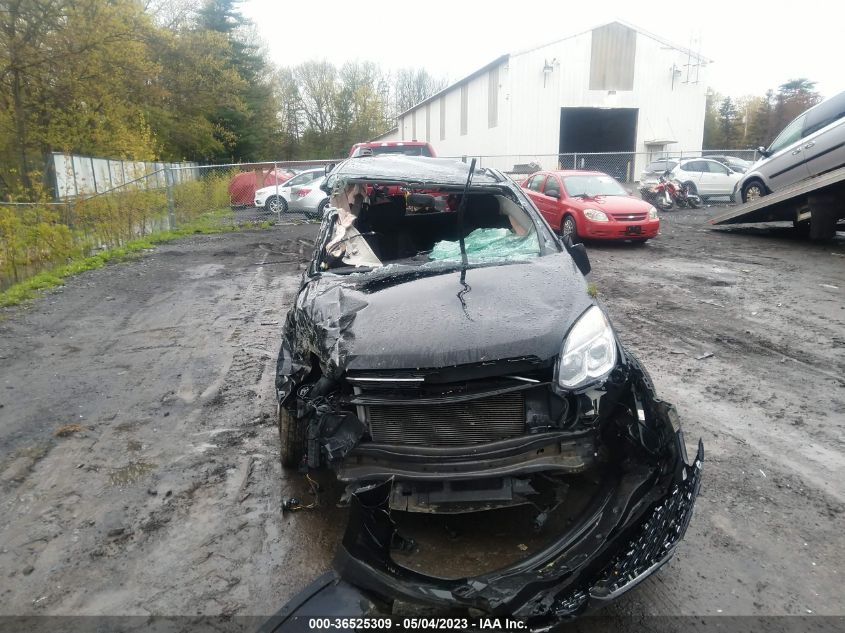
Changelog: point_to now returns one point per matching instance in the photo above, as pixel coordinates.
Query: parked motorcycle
(667, 193)
(659, 193)
(683, 198)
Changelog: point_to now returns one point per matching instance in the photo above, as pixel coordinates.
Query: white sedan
(277, 199)
(706, 177)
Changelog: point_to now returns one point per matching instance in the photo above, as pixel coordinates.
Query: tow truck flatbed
(821, 196)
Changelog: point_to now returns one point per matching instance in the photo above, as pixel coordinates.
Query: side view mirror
(329, 168)
(762, 151)
(578, 254)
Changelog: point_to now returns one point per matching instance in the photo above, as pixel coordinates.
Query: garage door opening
(591, 130)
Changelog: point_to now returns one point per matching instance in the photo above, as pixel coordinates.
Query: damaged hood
(416, 318)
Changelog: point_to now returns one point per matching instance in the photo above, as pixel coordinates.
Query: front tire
(292, 437)
(276, 204)
(752, 190)
(569, 228)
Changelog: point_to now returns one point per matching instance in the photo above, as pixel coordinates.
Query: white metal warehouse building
(614, 88)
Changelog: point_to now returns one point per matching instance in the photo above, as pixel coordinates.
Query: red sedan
(590, 205)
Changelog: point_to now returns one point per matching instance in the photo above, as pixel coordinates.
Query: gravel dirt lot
(139, 469)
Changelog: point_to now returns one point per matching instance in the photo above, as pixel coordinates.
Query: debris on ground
(66, 430)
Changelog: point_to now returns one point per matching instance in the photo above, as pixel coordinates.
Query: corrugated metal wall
(612, 54)
(529, 99)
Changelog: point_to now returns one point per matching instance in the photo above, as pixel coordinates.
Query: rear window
(303, 179)
(661, 165)
(407, 150)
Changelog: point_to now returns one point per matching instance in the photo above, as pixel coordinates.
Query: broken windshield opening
(375, 227)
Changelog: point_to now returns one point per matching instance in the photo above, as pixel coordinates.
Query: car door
(823, 144)
(785, 163)
(693, 171)
(720, 179)
(533, 188)
(551, 201)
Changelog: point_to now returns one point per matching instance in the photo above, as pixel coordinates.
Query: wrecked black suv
(444, 355)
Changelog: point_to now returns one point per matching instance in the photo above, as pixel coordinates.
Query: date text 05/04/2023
(421, 624)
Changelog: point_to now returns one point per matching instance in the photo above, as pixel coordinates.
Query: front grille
(629, 217)
(449, 424)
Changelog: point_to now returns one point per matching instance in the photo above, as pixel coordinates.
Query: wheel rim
(275, 205)
(568, 227)
(752, 193)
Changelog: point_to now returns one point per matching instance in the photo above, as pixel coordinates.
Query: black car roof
(412, 169)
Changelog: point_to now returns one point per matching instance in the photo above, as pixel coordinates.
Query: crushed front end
(461, 388)
(631, 527)
(639, 512)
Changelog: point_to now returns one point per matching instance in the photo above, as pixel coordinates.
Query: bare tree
(412, 85)
(318, 93)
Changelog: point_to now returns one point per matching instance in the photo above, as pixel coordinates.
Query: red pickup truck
(408, 148)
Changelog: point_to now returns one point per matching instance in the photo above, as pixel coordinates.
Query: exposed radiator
(450, 424)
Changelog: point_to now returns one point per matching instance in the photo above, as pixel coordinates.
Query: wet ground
(139, 468)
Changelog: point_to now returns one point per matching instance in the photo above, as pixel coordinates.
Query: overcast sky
(755, 45)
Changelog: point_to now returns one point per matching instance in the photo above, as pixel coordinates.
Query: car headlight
(652, 213)
(589, 351)
(595, 215)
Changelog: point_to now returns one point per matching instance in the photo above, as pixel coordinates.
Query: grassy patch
(592, 290)
(209, 223)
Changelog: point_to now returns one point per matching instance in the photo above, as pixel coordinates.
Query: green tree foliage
(751, 121)
(71, 76)
(247, 126)
(173, 80)
(728, 116)
(127, 79)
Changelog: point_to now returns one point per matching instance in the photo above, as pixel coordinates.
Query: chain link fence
(626, 167)
(37, 236)
(107, 210)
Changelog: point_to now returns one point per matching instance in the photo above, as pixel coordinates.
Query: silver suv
(812, 144)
